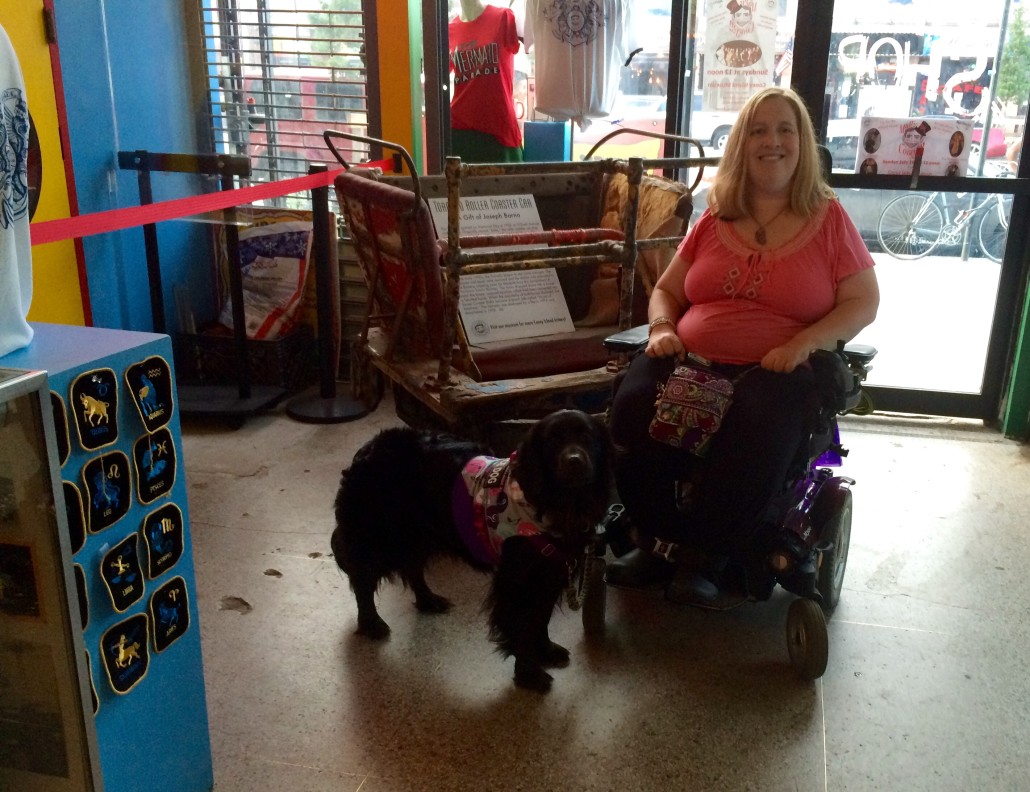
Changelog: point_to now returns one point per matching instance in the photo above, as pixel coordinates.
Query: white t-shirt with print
(15, 247)
(581, 46)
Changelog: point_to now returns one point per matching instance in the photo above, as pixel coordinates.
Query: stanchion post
(327, 406)
(324, 284)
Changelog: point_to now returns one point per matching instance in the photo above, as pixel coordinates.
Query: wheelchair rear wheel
(832, 516)
(807, 640)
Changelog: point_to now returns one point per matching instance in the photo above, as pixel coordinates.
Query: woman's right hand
(664, 342)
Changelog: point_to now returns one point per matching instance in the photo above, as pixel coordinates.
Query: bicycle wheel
(994, 228)
(910, 226)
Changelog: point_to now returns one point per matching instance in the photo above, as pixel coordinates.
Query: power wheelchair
(803, 545)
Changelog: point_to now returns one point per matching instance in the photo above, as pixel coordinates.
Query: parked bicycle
(912, 226)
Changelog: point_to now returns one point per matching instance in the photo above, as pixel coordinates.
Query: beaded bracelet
(659, 321)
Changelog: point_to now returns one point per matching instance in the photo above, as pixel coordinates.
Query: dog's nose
(574, 465)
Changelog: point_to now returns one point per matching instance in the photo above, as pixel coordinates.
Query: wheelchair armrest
(862, 354)
(627, 340)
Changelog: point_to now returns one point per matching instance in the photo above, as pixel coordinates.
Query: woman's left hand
(786, 358)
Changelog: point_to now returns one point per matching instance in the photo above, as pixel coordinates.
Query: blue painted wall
(127, 86)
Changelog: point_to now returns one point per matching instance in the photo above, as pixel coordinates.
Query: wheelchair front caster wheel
(807, 640)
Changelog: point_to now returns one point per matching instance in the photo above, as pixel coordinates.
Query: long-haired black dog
(405, 499)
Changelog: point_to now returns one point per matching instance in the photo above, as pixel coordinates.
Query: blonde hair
(729, 197)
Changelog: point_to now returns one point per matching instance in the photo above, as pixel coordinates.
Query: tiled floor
(927, 686)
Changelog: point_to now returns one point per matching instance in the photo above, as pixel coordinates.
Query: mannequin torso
(471, 9)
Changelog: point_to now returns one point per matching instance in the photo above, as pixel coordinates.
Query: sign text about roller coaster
(500, 306)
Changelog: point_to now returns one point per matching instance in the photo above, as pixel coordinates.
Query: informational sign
(500, 306)
(892, 145)
(740, 48)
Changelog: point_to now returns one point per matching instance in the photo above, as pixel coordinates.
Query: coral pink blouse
(744, 302)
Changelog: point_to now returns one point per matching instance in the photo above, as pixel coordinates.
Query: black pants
(745, 467)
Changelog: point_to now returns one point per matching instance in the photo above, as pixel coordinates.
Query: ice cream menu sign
(500, 306)
(892, 146)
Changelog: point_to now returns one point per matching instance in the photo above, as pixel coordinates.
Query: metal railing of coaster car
(624, 251)
(594, 246)
(665, 164)
(658, 136)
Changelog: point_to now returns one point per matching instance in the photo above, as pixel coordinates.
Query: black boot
(639, 569)
(689, 586)
(700, 581)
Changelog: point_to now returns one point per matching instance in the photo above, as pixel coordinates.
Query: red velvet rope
(48, 231)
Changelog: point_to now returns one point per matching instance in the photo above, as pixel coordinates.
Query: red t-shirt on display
(482, 55)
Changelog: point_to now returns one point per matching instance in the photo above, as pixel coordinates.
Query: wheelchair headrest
(825, 160)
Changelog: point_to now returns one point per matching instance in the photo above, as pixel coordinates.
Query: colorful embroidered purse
(690, 408)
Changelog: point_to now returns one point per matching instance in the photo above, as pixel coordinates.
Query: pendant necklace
(760, 236)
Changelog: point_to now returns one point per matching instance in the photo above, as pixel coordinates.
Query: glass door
(929, 82)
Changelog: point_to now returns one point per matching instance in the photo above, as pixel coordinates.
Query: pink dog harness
(489, 507)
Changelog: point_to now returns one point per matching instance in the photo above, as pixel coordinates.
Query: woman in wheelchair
(773, 270)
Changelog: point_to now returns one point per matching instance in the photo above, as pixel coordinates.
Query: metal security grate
(280, 72)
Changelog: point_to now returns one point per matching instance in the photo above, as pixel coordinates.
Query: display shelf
(126, 556)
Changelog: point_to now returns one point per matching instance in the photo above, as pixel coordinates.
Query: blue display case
(128, 551)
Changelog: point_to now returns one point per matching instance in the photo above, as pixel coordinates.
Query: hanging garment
(581, 46)
(482, 54)
(15, 247)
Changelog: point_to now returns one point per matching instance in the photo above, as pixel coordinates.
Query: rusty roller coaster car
(610, 227)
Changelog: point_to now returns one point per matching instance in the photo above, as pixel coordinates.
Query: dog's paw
(532, 677)
(554, 655)
(432, 603)
(373, 627)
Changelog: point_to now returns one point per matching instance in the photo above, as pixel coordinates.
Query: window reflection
(929, 61)
(938, 254)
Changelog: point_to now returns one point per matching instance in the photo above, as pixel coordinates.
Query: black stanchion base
(224, 401)
(311, 407)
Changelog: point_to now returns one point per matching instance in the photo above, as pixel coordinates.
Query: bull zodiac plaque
(94, 403)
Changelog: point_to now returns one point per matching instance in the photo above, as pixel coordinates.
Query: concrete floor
(926, 689)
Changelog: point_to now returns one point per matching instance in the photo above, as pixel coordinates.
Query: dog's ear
(530, 468)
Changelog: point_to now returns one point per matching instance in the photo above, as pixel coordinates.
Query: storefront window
(930, 61)
(740, 57)
(936, 69)
(640, 87)
(736, 49)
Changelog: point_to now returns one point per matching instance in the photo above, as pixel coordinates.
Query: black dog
(408, 496)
